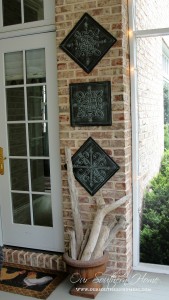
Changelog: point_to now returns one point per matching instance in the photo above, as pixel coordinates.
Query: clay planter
(1, 257)
(83, 274)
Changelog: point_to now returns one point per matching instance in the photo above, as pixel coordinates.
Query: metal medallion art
(87, 43)
(90, 103)
(92, 166)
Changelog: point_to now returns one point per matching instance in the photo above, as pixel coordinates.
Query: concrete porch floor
(140, 286)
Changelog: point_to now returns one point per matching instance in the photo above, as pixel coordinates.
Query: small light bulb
(130, 32)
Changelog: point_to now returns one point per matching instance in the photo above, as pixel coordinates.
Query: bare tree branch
(73, 253)
(97, 224)
(119, 226)
(74, 202)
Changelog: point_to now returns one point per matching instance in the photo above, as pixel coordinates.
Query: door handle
(2, 158)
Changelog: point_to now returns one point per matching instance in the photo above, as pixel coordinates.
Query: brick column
(115, 139)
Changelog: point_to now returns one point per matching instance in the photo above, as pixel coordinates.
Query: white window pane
(33, 10)
(11, 12)
(14, 68)
(35, 66)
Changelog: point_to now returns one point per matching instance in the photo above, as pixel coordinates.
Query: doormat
(29, 281)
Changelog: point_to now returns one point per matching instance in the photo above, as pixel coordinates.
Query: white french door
(30, 189)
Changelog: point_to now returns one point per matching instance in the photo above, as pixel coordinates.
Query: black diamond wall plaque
(90, 103)
(87, 43)
(92, 166)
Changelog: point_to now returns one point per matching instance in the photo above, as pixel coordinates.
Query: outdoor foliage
(166, 102)
(166, 136)
(155, 220)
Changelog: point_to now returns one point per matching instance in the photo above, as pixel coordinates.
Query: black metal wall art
(90, 103)
(87, 43)
(92, 166)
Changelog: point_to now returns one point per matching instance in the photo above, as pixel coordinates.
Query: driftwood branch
(97, 224)
(74, 202)
(100, 202)
(103, 236)
(119, 226)
(83, 245)
(112, 223)
(73, 253)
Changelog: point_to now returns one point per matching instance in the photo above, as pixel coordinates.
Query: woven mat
(29, 281)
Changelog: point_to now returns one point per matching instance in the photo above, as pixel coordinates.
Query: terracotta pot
(83, 274)
(1, 257)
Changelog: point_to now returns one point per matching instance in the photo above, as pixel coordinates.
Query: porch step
(34, 258)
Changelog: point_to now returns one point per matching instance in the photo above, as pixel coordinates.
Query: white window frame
(46, 25)
(165, 62)
(133, 35)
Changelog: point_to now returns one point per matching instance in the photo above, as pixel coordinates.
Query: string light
(130, 33)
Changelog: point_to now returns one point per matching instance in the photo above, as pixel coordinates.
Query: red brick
(114, 139)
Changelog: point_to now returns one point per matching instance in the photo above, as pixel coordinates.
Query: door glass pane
(17, 139)
(15, 104)
(21, 208)
(33, 10)
(27, 125)
(35, 66)
(38, 139)
(42, 210)
(14, 68)
(40, 175)
(11, 12)
(19, 174)
(37, 103)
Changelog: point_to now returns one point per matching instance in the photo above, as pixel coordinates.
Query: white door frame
(55, 168)
(133, 35)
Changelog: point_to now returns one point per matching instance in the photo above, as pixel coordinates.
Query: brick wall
(150, 90)
(115, 139)
(150, 105)
(151, 14)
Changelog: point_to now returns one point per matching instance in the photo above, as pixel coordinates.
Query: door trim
(54, 151)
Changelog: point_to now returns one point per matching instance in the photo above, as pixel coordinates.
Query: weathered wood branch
(112, 223)
(119, 226)
(83, 245)
(100, 202)
(74, 202)
(73, 247)
(97, 224)
(103, 236)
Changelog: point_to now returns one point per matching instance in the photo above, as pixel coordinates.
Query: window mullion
(1, 14)
(151, 32)
(22, 11)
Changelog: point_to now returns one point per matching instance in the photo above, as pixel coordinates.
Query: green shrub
(154, 239)
(166, 102)
(166, 136)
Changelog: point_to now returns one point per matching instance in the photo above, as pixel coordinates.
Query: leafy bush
(155, 220)
(166, 136)
(166, 102)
